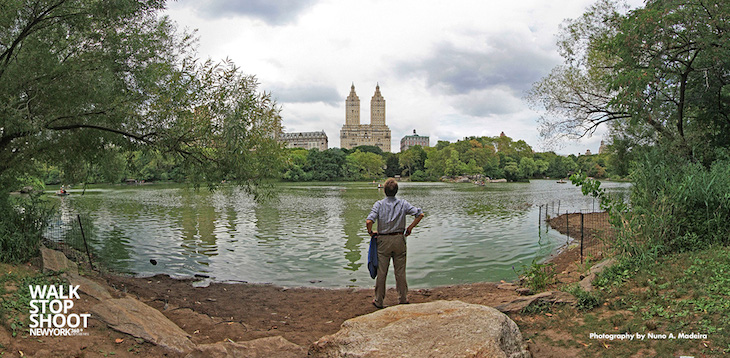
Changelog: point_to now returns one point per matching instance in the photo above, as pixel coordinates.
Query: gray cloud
(486, 103)
(273, 12)
(307, 94)
(507, 61)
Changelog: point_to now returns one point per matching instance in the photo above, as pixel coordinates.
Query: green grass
(680, 293)
(15, 295)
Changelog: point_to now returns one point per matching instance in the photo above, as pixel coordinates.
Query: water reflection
(313, 234)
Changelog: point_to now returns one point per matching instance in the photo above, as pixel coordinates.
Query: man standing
(390, 213)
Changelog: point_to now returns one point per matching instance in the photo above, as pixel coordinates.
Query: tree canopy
(81, 80)
(657, 74)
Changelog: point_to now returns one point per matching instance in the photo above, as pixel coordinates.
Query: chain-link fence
(70, 234)
(591, 229)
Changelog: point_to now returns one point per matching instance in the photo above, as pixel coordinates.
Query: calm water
(314, 234)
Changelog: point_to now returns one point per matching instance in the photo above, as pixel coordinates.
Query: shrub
(680, 205)
(538, 276)
(21, 227)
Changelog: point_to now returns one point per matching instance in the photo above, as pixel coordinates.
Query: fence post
(567, 227)
(83, 236)
(581, 237)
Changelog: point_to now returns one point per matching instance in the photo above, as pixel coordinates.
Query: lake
(313, 234)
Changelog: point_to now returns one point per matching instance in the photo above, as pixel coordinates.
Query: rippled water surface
(314, 234)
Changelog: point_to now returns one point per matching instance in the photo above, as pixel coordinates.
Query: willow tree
(83, 79)
(659, 73)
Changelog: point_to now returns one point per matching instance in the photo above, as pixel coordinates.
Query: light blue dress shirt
(390, 213)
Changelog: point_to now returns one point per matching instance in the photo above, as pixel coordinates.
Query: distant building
(603, 148)
(411, 140)
(306, 140)
(376, 133)
(588, 152)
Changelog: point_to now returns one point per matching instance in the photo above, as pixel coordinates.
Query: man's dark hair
(391, 187)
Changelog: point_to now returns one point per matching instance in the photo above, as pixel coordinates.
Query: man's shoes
(377, 305)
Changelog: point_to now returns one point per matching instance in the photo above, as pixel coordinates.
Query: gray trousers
(391, 246)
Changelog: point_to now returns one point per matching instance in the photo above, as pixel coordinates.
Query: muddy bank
(301, 315)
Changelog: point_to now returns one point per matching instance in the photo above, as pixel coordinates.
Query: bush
(21, 228)
(419, 175)
(586, 300)
(679, 205)
(538, 276)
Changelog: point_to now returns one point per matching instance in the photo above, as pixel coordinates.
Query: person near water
(390, 214)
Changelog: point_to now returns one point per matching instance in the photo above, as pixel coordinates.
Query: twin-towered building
(354, 134)
(376, 133)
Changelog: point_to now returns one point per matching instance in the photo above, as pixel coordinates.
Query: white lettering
(37, 292)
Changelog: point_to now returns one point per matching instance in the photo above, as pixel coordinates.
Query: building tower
(375, 133)
(377, 108)
(352, 108)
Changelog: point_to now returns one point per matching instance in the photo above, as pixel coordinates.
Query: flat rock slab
(56, 261)
(89, 287)
(257, 348)
(133, 317)
(434, 329)
(551, 297)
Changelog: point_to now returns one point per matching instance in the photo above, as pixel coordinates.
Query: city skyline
(449, 69)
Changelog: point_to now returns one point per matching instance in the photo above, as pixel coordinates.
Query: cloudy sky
(448, 69)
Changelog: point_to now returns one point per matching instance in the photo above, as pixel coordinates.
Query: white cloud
(449, 69)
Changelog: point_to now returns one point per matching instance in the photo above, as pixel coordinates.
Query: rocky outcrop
(56, 261)
(551, 297)
(137, 319)
(257, 348)
(440, 328)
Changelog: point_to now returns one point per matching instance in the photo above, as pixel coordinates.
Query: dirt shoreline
(242, 312)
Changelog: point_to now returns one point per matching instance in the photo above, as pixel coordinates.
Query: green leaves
(658, 74)
(82, 81)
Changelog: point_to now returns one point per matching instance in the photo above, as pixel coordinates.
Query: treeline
(495, 157)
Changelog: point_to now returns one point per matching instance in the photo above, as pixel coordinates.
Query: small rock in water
(315, 281)
(153, 261)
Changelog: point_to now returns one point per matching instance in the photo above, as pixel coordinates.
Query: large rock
(435, 329)
(257, 348)
(550, 297)
(89, 287)
(137, 319)
(56, 261)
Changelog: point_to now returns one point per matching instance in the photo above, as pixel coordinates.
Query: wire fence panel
(591, 229)
(66, 233)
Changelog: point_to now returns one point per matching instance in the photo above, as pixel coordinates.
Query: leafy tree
(392, 164)
(511, 170)
(436, 161)
(527, 167)
(364, 165)
(80, 79)
(542, 167)
(326, 165)
(366, 149)
(413, 159)
(660, 70)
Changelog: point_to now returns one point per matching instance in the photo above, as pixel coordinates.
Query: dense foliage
(659, 76)
(90, 86)
(493, 157)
